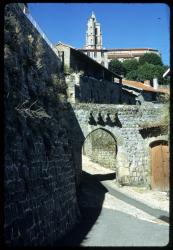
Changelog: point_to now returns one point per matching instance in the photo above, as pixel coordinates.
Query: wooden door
(160, 166)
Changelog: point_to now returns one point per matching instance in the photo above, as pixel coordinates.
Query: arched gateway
(101, 147)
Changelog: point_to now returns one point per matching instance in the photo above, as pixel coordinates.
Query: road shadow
(164, 218)
(104, 177)
(90, 194)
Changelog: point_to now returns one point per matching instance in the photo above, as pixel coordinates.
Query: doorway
(159, 165)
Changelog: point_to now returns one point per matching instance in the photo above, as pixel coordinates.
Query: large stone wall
(88, 89)
(85, 89)
(39, 181)
(125, 124)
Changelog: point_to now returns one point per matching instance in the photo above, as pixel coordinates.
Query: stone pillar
(155, 83)
(122, 166)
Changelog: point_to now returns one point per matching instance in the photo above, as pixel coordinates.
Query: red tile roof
(144, 86)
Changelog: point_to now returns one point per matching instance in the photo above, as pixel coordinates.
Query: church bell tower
(93, 34)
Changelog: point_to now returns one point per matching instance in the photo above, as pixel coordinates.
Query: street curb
(134, 197)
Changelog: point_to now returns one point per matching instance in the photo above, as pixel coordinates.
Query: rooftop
(143, 86)
(124, 49)
(89, 59)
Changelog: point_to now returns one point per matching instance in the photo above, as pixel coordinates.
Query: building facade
(94, 46)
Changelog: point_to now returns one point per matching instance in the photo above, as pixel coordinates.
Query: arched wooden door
(160, 166)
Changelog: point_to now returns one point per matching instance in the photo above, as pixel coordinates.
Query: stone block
(7, 234)
(8, 216)
(29, 219)
(123, 171)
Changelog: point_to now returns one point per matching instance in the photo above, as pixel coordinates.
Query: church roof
(124, 49)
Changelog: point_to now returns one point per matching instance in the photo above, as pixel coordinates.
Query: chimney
(155, 83)
(147, 82)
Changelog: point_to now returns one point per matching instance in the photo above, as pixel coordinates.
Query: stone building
(89, 81)
(75, 60)
(139, 92)
(94, 46)
(110, 132)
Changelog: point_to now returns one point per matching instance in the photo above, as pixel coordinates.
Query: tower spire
(93, 34)
(93, 15)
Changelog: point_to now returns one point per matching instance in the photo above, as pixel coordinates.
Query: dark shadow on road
(104, 177)
(90, 195)
(164, 218)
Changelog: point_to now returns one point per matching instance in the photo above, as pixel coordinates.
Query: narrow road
(110, 218)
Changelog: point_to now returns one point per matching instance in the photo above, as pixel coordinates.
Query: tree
(116, 67)
(130, 65)
(150, 58)
(149, 71)
(132, 75)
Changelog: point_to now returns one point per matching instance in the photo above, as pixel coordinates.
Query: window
(95, 54)
(88, 53)
(95, 40)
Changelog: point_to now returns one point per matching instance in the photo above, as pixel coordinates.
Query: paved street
(110, 217)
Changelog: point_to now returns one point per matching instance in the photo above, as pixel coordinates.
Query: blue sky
(123, 25)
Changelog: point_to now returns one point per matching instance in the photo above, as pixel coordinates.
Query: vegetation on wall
(67, 69)
(161, 123)
(165, 119)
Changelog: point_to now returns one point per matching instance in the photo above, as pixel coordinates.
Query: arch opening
(100, 147)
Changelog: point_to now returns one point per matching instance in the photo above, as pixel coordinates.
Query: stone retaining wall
(39, 181)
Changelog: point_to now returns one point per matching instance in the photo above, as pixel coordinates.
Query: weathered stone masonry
(85, 89)
(101, 147)
(124, 123)
(40, 192)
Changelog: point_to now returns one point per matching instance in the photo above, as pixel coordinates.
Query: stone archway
(101, 147)
(159, 152)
